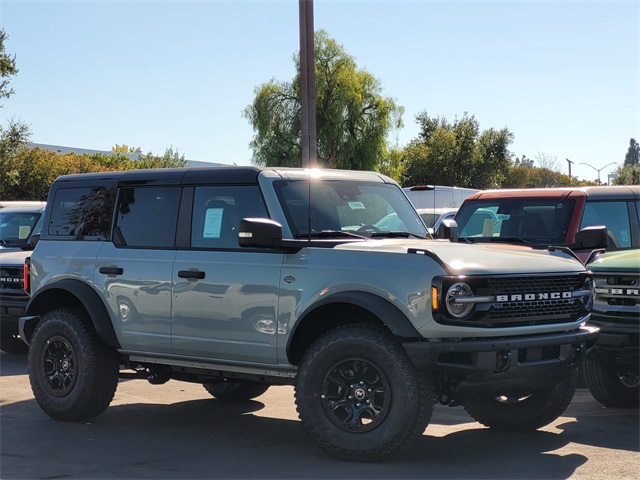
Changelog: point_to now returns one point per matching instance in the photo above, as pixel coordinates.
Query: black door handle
(111, 270)
(191, 274)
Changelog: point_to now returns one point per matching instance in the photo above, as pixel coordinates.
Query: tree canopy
(633, 153)
(457, 154)
(353, 118)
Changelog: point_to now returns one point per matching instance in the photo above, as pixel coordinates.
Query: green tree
(392, 164)
(628, 175)
(353, 118)
(457, 154)
(633, 153)
(124, 148)
(15, 135)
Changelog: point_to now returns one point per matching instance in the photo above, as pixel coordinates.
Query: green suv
(611, 369)
(238, 278)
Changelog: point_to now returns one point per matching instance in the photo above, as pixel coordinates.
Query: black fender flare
(389, 314)
(89, 299)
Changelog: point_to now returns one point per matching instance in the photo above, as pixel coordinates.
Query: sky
(563, 76)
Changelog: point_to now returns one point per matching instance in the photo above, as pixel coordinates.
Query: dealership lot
(179, 431)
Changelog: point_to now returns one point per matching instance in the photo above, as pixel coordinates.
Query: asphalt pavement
(177, 431)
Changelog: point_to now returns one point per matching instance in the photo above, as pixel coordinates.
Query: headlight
(458, 310)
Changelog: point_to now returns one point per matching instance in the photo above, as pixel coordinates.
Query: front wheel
(610, 387)
(358, 396)
(235, 390)
(526, 411)
(73, 374)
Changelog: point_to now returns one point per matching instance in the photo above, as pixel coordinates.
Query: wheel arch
(342, 309)
(71, 293)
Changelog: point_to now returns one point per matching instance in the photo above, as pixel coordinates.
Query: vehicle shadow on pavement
(208, 438)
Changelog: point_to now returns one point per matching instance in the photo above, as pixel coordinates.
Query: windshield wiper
(509, 240)
(396, 234)
(329, 234)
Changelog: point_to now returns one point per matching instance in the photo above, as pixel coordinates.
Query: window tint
(147, 216)
(81, 212)
(217, 212)
(616, 218)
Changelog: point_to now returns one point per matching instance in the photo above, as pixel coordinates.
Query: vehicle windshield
(363, 208)
(16, 227)
(529, 221)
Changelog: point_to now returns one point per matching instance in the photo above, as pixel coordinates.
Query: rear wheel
(73, 374)
(611, 387)
(236, 390)
(525, 411)
(358, 395)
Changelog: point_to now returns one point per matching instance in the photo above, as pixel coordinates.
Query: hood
(13, 258)
(619, 261)
(476, 259)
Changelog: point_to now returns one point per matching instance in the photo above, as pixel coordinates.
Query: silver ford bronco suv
(239, 278)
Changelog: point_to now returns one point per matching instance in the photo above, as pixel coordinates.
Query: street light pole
(597, 169)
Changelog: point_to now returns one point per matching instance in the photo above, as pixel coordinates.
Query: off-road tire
(11, 344)
(235, 390)
(400, 400)
(73, 374)
(527, 412)
(606, 386)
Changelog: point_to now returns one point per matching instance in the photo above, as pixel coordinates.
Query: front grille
(513, 285)
(542, 309)
(11, 278)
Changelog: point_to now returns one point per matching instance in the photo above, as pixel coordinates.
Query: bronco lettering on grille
(10, 280)
(533, 296)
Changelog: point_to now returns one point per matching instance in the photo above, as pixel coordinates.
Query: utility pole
(569, 162)
(307, 85)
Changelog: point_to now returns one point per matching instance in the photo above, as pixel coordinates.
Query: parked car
(437, 196)
(539, 218)
(18, 225)
(239, 278)
(611, 369)
(21, 203)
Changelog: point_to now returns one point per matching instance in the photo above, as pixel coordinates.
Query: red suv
(553, 217)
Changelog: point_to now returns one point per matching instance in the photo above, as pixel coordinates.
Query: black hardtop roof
(187, 175)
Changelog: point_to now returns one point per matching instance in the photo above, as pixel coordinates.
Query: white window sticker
(356, 206)
(487, 227)
(24, 231)
(212, 223)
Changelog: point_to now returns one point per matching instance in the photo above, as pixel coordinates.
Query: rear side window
(217, 211)
(84, 213)
(615, 216)
(147, 217)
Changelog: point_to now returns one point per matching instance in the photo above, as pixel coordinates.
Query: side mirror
(259, 232)
(592, 238)
(33, 240)
(448, 229)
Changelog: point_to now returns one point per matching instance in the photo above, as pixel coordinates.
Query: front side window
(147, 217)
(615, 216)
(81, 212)
(532, 220)
(217, 211)
(345, 206)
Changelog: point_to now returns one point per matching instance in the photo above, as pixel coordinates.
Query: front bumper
(618, 345)
(504, 364)
(12, 307)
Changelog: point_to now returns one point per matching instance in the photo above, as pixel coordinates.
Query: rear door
(134, 270)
